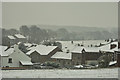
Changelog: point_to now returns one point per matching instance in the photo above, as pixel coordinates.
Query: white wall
(16, 56)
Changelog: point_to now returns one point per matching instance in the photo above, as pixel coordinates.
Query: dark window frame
(10, 60)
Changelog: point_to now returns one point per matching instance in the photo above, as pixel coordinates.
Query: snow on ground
(0, 74)
(61, 73)
(119, 73)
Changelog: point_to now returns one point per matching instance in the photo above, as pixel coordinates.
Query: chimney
(68, 51)
(8, 47)
(16, 47)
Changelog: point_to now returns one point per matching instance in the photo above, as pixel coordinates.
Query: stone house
(110, 49)
(63, 58)
(85, 55)
(42, 53)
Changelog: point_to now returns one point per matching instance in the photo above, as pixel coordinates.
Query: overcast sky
(90, 14)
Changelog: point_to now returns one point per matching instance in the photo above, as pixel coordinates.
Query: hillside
(83, 32)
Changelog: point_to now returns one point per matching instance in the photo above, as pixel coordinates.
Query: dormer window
(113, 46)
(83, 51)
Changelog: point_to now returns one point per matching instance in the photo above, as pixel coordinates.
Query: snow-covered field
(61, 73)
(0, 74)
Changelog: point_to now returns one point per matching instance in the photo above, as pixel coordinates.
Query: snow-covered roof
(106, 47)
(42, 49)
(87, 49)
(67, 45)
(28, 44)
(91, 49)
(111, 51)
(116, 48)
(112, 63)
(31, 51)
(115, 42)
(7, 52)
(26, 62)
(2, 48)
(118, 51)
(11, 37)
(77, 49)
(62, 55)
(19, 36)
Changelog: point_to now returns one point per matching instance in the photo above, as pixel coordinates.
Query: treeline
(35, 34)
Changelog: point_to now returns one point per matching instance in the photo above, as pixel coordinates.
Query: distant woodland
(36, 34)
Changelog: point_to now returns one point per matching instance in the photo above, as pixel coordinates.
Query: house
(28, 44)
(63, 58)
(8, 40)
(20, 38)
(118, 58)
(118, 55)
(13, 57)
(110, 49)
(11, 39)
(42, 53)
(85, 55)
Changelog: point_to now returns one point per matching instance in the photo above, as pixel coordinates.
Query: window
(10, 60)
